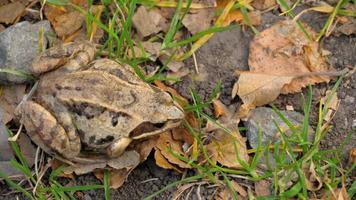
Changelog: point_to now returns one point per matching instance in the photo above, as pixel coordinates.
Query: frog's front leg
(68, 57)
(46, 131)
(118, 147)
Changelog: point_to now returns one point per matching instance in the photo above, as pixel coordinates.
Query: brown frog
(99, 106)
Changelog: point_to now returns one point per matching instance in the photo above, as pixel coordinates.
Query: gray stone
(19, 44)
(5, 151)
(263, 118)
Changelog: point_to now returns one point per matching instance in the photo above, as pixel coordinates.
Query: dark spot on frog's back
(115, 117)
(105, 140)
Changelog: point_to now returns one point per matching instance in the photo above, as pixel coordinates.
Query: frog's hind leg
(68, 57)
(46, 132)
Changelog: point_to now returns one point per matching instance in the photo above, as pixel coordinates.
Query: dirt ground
(217, 60)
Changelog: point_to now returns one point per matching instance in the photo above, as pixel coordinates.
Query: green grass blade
(18, 73)
(193, 38)
(16, 186)
(107, 184)
(173, 27)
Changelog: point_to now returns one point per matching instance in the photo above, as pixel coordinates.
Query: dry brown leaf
(339, 194)
(199, 20)
(352, 157)
(10, 97)
(69, 24)
(222, 150)
(239, 189)
(180, 99)
(257, 89)
(263, 4)
(174, 66)
(167, 144)
(144, 148)
(333, 104)
(163, 162)
(151, 49)
(236, 15)
(55, 164)
(281, 60)
(182, 134)
(148, 22)
(28, 150)
(312, 181)
(117, 177)
(284, 50)
(347, 27)
(219, 108)
(10, 12)
(262, 188)
(226, 194)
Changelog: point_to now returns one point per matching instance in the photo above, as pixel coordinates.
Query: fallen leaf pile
(282, 60)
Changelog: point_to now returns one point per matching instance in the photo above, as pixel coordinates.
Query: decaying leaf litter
(261, 85)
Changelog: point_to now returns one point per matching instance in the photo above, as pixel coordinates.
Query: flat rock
(263, 118)
(18, 46)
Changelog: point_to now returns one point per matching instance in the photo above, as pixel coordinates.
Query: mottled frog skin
(99, 106)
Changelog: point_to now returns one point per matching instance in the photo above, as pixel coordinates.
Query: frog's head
(161, 113)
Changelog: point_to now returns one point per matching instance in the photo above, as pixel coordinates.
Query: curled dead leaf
(163, 162)
(168, 146)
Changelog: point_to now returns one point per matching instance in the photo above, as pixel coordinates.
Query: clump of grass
(38, 189)
(295, 156)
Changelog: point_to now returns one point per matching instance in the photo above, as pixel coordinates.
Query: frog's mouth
(147, 129)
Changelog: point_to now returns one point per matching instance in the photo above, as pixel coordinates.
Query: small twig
(195, 63)
(36, 160)
(149, 180)
(40, 178)
(198, 192)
